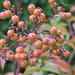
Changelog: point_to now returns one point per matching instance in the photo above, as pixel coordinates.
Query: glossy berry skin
(8, 13)
(59, 32)
(66, 54)
(63, 15)
(22, 39)
(59, 9)
(19, 49)
(38, 44)
(42, 17)
(21, 24)
(51, 1)
(3, 15)
(56, 52)
(53, 5)
(6, 4)
(10, 33)
(31, 18)
(36, 53)
(53, 31)
(14, 18)
(32, 37)
(68, 15)
(52, 42)
(32, 62)
(23, 56)
(31, 8)
(17, 56)
(37, 12)
(11, 57)
(0, 46)
(45, 41)
(45, 47)
(2, 42)
(24, 63)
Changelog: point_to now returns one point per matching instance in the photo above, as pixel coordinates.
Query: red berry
(14, 18)
(21, 24)
(66, 54)
(59, 9)
(6, 3)
(53, 31)
(31, 8)
(36, 53)
(45, 47)
(38, 44)
(55, 52)
(63, 15)
(10, 33)
(17, 56)
(11, 57)
(2, 42)
(53, 5)
(37, 12)
(51, 1)
(32, 37)
(22, 39)
(3, 15)
(23, 56)
(68, 15)
(19, 49)
(59, 32)
(32, 18)
(32, 62)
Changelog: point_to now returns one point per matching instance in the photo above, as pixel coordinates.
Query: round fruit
(17, 56)
(32, 62)
(10, 33)
(23, 56)
(66, 54)
(42, 17)
(22, 39)
(59, 9)
(2, 42)
(0, 46)
(14, 18)
(37, 12)
(31, 8)
(45, 41)
(3, 15)
(21, 24)
(51, 1)
(55, 52)
(59, 32)
(6, 3)
(53, 5)
(32, 18)
(68, 15)
(8, 13)
(11, 57)
(45, 47)
(38, 44)
(36, 53)
(32, 37)
(53, 31)
(63, 15)
(19, 49)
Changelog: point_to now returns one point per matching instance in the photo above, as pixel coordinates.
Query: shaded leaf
(74, 69)
(72, 18)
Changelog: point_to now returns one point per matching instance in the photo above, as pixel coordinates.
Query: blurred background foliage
(44, 5)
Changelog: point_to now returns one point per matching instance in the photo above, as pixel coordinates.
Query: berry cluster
(52, 42)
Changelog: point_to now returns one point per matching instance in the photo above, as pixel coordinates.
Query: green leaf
(38, 73)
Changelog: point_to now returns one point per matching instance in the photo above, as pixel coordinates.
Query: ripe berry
(6, 4)
(3, 15)
(55, 52)
(24, 63)
(32, 62)
(59, 32)
(68, 15)
(36, 53)
(45, 47)
(51, 1)
(11, 57)
(53, 5)
(66, 54)
(31, 8)
(21, 24)
(31, 36)
(23, 56)
(14, 18)
(63, 15)
(14, 38)
(52, 42)
(38, 44)
(42, 17)
(22, 39)
(2, 42)
(19, 49)
(10, 33)
(53, 31)
(32, 18)
(17, 56)
(8, 13)
(37, 12)
(0, 46)
(45, 41)
(59, 9)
